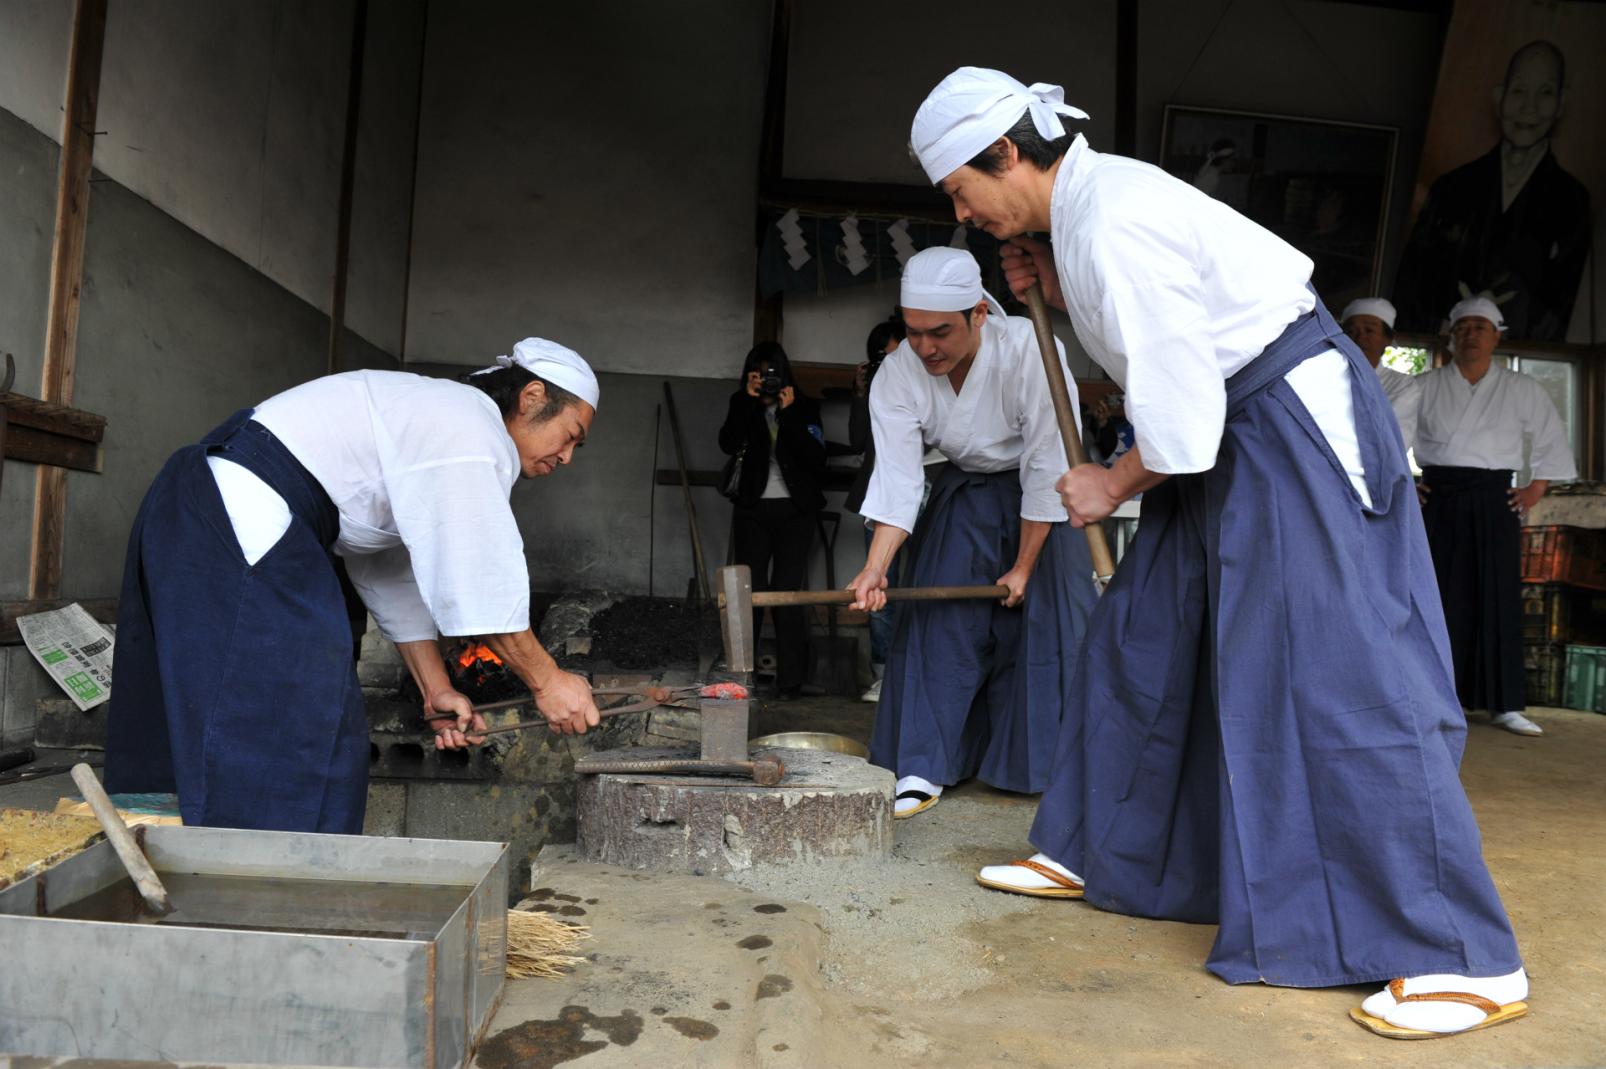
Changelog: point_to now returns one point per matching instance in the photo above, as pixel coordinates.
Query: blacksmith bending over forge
(972, 688)
(1264, 732)
(235, 682)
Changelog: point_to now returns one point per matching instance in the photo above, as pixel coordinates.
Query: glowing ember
(478, 652)
(731, 692)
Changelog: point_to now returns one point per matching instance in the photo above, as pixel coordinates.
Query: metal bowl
(811, 740)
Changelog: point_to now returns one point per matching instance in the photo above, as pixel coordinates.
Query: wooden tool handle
(1075, 455)
(899, 593)
(122, 840)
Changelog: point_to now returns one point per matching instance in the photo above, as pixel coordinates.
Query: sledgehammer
(737, 602)
(1075, 455)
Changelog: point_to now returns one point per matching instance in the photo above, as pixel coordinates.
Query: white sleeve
(1549, 455)
(467, 556)
(385, 581)
(1153, 315)
(1042, 459)
(898, 481)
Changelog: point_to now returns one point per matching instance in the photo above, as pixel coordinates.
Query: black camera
(769, 383)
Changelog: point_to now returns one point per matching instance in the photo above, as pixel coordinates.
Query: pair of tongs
(647, 698)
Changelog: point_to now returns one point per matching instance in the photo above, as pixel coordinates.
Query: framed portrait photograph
(1320, 186)
(1507, 195)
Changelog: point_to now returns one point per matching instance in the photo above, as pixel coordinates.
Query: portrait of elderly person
(235, 682)
(1477, 418)
(1369, 322)
(1511, 222)
(1263, 732)
(971, 688)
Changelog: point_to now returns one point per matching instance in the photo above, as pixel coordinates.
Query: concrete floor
(909, 962)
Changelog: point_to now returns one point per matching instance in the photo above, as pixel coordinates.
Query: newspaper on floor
(75, 649)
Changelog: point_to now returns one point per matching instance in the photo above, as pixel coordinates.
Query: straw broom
(538, 944)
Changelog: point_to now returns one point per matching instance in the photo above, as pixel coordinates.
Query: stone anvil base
(829, 807)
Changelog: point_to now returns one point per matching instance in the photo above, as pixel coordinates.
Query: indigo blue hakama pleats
(233, 683)
(972, 688)
(1265, 731)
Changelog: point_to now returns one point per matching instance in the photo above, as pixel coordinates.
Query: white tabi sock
(1446, 1016)
(912, 783)
(1023, 877)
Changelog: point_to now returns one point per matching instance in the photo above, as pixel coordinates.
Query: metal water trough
(106, 989)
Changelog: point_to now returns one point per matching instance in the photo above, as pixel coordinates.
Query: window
(1562, 378)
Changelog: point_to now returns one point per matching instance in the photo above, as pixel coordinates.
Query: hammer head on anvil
(736, 617)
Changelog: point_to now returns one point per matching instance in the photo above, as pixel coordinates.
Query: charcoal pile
(650, 633)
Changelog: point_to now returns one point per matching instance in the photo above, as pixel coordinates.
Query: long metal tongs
(648, 698)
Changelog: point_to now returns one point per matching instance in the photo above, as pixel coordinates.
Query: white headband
(941, 279)
(551, 362)
(1370, 306)
(1478, 306)
(975, 106)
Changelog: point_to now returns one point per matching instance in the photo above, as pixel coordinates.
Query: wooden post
(771, 145)
(348, 171)
(66, 278)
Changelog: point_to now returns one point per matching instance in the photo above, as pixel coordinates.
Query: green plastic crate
(1586, 678)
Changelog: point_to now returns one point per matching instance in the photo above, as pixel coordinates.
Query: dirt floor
(910, 963)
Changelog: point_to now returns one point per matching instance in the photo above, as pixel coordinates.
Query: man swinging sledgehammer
(1263, 732)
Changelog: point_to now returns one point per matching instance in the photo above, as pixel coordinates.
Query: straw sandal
(1493, 1012)
(926, 802)
(1063, 887)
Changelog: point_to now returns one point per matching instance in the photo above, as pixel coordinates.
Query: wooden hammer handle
(1075, 455)
(122, 840)
(763, 598)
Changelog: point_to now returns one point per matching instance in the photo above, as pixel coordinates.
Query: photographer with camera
(774, 436)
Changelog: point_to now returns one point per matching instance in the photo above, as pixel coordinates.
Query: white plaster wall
(860, 68)
(587, 174)
(230, 117)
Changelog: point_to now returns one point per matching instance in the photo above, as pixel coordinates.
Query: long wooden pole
(66, 279)
(1075, 455)
(698, 562)
(348, 176)
(763, 598)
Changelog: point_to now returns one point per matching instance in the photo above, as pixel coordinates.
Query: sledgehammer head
(736, 617)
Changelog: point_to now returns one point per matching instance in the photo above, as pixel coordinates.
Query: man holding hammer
(1264, 731)
(971, 688)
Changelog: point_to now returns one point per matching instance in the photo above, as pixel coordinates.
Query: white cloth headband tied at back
(944, 280)
(554, 363)
(975, 106)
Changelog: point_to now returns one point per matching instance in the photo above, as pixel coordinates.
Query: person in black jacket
(777, 433)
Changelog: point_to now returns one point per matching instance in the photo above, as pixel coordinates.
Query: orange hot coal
(479, 652)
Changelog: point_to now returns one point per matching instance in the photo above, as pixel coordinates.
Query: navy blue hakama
(1265, 732)
(972, 688)
(1476, 542)
(234, 683)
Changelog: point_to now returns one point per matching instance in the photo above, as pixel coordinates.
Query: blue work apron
(233, 683)
(1265, 732)
(972, 688)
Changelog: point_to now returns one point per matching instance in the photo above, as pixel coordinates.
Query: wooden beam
(66, 278)
(102, 609)
(53, 419)
(29, 445)
(348, 173)
(864, 198)
(768, 311)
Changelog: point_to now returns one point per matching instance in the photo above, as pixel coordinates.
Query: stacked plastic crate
(1564, 616)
